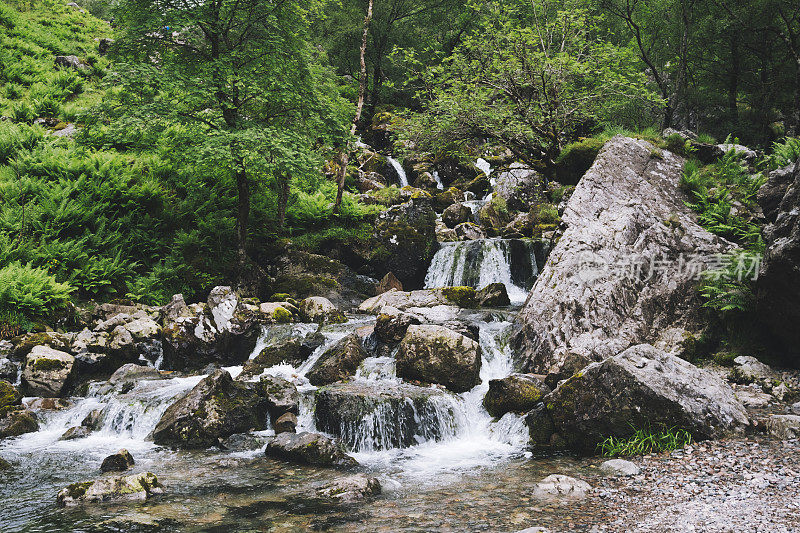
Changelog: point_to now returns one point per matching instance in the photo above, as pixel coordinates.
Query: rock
(753, 399)
(23, 345)
(131, 373)
(215, 408)
(280, 395)
(93, 420)
(517, 393)
(392, 324)
(435, 354)
(286, 423)
(4, 465)
(309, 448)
(405, 241)
(351, 488)
(784, 426)
(224, 331)
(493, 295)
(627, 210)
(367, 183)
(643, 387)
(796, 408)
(562, 486)
(48, 404)
(748, 369)
(468, 231)
(136, 487)
(17, 421)
(456, 214)
(749, 156)
(494, 217)
(278, 312)
(771, 194)
(47, 372)
(389, 282)
(368, 415)
(117, 462)
(415, 300)
(541, 430)
(619, 467)
(339, 362)
(8, 370)
(242, 442)
(73, 62)
(777, 290)
(75, 433)
(9, 395)
(320, 310)
(520, 187)
(444, 199)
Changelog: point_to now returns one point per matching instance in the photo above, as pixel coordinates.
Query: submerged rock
(517, 393)
(215, 408)
(117, 462)
(338, 362)
(369, 415)
(76, 432)
(351, 488)
(309, 448)
(136, 487)
(48, 372)
(435, 354)
(318, 309)
(627, 211)
(643, 387)
(562, 486)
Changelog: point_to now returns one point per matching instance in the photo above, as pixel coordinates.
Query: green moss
(386, 196)
(47, 365)
(9, 395)
(281, 315)
(576, 158)
(78, 490)
(280, 297)
(461, 296)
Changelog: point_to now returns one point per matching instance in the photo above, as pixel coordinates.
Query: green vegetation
(645, 441)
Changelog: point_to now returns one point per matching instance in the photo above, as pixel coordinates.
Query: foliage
(31, 292)
(529, 77)
(728, 288)
(784, 153)
(645, 441)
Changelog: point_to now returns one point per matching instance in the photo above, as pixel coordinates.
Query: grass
(645, 441)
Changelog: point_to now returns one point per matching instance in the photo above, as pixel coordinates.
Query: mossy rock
(461, 296)
(9, 395)
(281, 316)
(48, 365)
(576, 158)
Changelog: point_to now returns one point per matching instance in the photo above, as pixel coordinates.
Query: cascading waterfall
(512, 262)
(401, 174)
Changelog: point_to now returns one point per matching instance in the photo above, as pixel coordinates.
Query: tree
(245, 73)
(529, 77)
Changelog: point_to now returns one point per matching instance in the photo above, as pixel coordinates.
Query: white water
(401, 174)
(439, 184)
(477, 264)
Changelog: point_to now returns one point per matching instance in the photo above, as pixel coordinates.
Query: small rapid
(401, 173)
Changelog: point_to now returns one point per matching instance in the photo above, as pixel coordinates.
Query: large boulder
(47, 372)
(136, 487)
(468, 231)
(405, 241)
(493, 295)
(517, 393)
(639, 388)
(280, 395)
(777, 289)
(420, 299)
(456, 214)
(392, 324)
(370, 416)
(309, 448)
(215, 408)
(521, 187)
(339, 362)
(8, 370)
(223, 331)
(436, 354)
(597, 294)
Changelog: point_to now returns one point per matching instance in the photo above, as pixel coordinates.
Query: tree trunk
(242, 210)
(344, 158)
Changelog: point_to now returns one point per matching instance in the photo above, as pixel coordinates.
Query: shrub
(645, 441)
(576, 158)
(31, 292)
(784, 153)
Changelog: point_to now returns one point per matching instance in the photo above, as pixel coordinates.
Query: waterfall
(439, 184)
(512, 262)
(401, 174)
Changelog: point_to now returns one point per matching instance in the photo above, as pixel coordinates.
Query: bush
(31, 292)
(784, 153)
(576, 158)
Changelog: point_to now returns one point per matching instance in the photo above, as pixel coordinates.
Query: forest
(211, 136)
